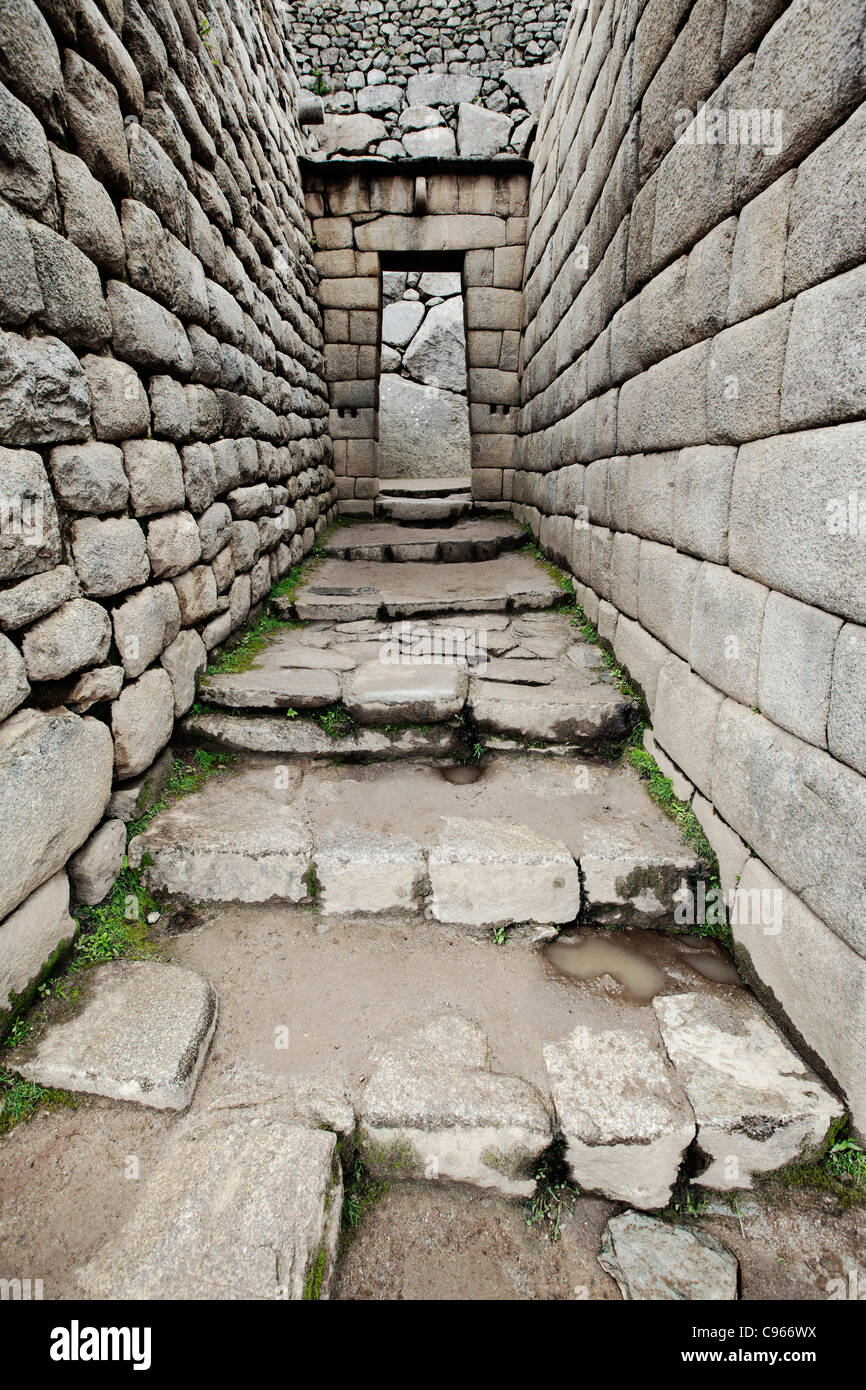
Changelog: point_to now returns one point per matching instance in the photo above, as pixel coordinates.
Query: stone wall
(423, 409)
(162, 408)
(366, 216)
(427, 77)
(693, 441)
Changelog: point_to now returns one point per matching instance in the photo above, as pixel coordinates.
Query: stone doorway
(422, 214)
(423, 382)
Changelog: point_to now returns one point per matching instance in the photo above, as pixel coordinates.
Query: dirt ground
(303, 1009)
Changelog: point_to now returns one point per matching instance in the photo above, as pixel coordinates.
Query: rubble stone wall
(427, 77)
(693, 440)
(163, 412)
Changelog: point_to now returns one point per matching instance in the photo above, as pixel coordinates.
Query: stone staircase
(425, 746)
(424, 501)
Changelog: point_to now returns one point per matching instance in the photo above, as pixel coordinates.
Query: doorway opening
(423, 385)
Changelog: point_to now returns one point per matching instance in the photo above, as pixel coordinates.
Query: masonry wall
(427, 77)
(163, 412)
(693, 442)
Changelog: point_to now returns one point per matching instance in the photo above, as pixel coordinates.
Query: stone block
(55, 779)
(32, 935)
(119, 403)
(665, 592)
(89, 477)
(791, 523)
(144, 333)
(44, 398)
(155, 476)
(185, 660)
(640, 654)
(14, 686)
(73, 306)
(95, 121)
(797, 645)
(29, 529)
(145, 624)
(685, 717)
(825, 375)
(173, 543)
(758, 265)
(197, 594)
(846, 730)
(93, 869)
(673, 407)
(26, 177)
(142, 719)
(650, 496)
(812, 838)
(78, 634)
(825, 233)
(109, 555)
(20, 295)
(800, 948)
(727, 617)
(701, 501)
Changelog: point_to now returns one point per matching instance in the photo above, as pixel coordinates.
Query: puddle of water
(461, 774)
(712, 966)
(589, 959)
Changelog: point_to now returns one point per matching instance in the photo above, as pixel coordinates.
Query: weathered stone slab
(55, 779)
(632, 872)
(757, 1105)
(360, 870)
(234, 841)
(272, 688)
(381, 692)
(486, 872)
(31, 935)
(466, 540)
(94, 868)
(424, 510)
(304, 739)
(343, 590)
(577, 708)
(140, 1031)
(625, 1117)
(434, 1109)
(247, 1209)
(656, 1261)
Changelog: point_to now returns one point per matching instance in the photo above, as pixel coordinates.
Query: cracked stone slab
(757, 1105)
(654, 1260)
(140, 1031)
(625, 1117)
(247, 1209)
(583, 712)
(303, 739)
(231, 841)
(272, 688)
(434, 1108)
(483, 873)
(387, 692)
(347, 589)
(423, 487)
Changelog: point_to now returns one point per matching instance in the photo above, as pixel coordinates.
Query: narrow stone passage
(426, 789)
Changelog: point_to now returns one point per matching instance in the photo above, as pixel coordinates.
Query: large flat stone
(340, 589)
(466, 540)
(756, 1104)
(386, 692)
(233, 841)
(485, 872)
(580, 707)
(433, 1108)
(652, 1260)
(55, 780)
(425, 510)
(247, 1209)
(626, 1119)
(304, 739)
(272, 688)
(139, 1031)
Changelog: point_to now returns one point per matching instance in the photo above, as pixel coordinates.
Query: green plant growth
(189, 771)
(19, 1100)
(554, 1196)
(336, 721)
(204, 30)
(320, 86)
(315, 1275)
(361, 1192)
(500, 935)
(840, 1170)
(243, 654)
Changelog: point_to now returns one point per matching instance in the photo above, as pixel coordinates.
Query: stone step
(244, 1208)
(342, 590)
(527, 841)
(465, 541)
(139, 1030)
(529, 677)
(654, 1260)
(434, 1108)
(301, 738)
(423, 487)
(450, 508)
